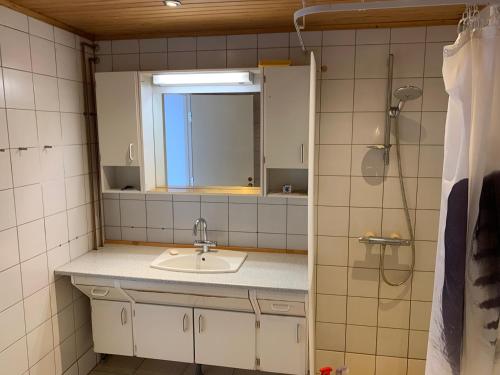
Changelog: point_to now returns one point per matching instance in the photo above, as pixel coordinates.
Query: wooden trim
(49, 20)
(234, 248)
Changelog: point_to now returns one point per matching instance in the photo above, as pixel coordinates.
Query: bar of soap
(173, 252)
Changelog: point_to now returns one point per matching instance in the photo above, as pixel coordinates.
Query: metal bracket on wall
(373, 5)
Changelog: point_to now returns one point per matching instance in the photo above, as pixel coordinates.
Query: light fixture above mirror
(203, 78)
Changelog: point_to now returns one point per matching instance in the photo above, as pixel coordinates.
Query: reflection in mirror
(211, 139)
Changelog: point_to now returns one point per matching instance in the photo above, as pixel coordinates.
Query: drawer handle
(280, 307)
(131, 152)
(297, 333)
(95, 292)
(124, 316)
(184, 323)
(200, 323)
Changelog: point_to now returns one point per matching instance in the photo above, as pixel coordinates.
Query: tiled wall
(44, 200)
(373, 328)
(232, 221)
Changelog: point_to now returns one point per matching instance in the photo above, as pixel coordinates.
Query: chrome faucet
(203, 242)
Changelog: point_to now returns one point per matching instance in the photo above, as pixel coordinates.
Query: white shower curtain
(465, 312)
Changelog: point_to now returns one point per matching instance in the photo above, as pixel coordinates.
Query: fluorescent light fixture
(207, 78)
(173, 3)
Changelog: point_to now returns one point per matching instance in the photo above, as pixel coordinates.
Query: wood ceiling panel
(118, 19)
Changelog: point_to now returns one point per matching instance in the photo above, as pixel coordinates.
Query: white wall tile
(153, 61)
(4, 135)
(242, 41)
(271, 218)
(181, 60)
(70, 96)
(5, 171)
(373, 36)
(211, 59)
(211, 43)
(49, 128)
(73, 128)
(152, 45)
(362, 311)
(339, 37)
(216, 215)
(29, 204)
(441, 33)
(54, 197)
(408, 59)
(11, 325)
(15, 49)
(369, 95)
(333, 190)
(408, 34)
(271, 240)
(31, 239)
(40, 342)
(242, 58)
(64, 37)
(11, 18)
(57, 257)
(296, 222)
(40, 28)
(361, 339)
(77, 224)
(433, 126)
(34, 274)
(371, 61)
(182, 44)
(337, 95)
(18, 89)
(37, 309)
(392, 342)
(14, 360)
(273, 40)
(391, 365)
(9, 250)
(46, 93)
(333, 221)
(334, 160)
(11, 287)
(22, 128)
(133, 213)
(435, 97)
(335, 128)
(43, 56)
(332, 251)
(25, 166)
(8, 213)
(338, 62)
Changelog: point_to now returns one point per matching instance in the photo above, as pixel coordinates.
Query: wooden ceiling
(121, 19)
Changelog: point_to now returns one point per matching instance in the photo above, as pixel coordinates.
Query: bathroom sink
(193, 260)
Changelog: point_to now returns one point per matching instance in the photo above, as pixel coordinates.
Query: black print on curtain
(486, 256)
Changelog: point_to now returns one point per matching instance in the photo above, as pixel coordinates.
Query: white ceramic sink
(192, 260)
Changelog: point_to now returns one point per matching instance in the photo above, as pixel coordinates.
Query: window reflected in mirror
(211, 139)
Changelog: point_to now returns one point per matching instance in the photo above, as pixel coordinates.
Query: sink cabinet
(112, 327)
(163, 332)
(283, 343)
(225, 338)
(211, 325)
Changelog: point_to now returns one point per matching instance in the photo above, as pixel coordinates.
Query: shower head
(406, 93)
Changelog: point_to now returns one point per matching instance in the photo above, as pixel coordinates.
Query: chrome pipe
(373, 240)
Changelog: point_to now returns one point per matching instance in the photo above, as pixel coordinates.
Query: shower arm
(373, 5)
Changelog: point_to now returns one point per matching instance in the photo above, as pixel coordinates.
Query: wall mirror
(205, 130)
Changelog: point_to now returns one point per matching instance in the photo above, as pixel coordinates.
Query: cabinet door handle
(131, 152)
(200, 323)
(96, 292)
(297, 333)
(302, 153)
(184, 323)
(123, 316)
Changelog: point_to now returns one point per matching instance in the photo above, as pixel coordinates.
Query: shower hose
(407, 216)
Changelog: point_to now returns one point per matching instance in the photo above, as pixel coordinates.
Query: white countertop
(284, 272)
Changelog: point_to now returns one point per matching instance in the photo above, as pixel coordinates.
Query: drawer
(102, 292)
(275, 307)
(191, 300)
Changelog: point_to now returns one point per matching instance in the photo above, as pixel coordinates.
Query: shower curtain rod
(375, 5)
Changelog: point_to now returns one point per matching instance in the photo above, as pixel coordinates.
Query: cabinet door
(117, 96)
(112, 327)
(224, 338)
(286, 116)
(163, 332)
(282, 344)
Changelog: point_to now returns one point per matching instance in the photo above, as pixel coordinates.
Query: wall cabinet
(118, 113)
(286, 117)
(225, 338)
(283, 344)
(163, 332)
(112, 327)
